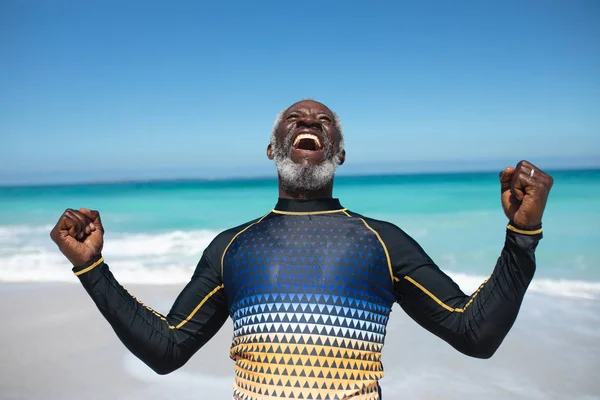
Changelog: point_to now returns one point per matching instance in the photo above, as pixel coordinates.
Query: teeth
(307, 136)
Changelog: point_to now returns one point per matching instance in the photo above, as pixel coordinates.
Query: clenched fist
(79, 235)
(524, 190)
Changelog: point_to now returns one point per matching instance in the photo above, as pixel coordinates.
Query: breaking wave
(27, 254)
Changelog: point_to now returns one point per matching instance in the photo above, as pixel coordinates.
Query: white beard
(297, 177)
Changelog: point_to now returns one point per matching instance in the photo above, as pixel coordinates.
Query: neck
(325, 193)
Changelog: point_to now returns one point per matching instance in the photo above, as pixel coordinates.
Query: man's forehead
(310, 105)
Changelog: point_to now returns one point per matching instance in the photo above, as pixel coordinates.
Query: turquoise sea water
(156, 231)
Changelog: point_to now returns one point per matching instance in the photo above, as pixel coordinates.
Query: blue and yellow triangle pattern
(310, 297)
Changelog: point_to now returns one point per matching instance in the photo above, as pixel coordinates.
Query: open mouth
(307, 141)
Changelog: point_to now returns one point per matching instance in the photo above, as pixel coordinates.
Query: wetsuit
(309, 288)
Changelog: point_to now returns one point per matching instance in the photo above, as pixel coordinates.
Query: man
(310, 285)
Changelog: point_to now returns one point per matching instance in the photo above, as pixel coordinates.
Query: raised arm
(164, 343)
(476, 324)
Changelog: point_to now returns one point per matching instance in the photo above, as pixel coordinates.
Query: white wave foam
(554, 287)
(15, 233)
(567, 288)
(178, 242)
(27, 254)
(7, 231)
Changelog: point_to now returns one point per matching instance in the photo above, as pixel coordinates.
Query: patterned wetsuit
(309, 288)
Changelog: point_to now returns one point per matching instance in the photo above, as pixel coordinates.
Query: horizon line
(263, 177)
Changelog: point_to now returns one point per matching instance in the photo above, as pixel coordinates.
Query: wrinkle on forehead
(300, 105)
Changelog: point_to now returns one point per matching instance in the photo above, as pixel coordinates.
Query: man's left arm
(477, 324)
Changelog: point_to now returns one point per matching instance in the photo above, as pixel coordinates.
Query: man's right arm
(164, 343)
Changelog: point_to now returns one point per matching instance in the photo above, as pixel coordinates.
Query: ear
(270, 154)
(342, 157)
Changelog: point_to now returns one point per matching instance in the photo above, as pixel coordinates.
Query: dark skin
(312, 117)
(79, 234)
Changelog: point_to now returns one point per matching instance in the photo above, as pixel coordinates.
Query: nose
(309, 121)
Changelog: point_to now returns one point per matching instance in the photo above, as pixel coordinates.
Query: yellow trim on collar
(309, 212)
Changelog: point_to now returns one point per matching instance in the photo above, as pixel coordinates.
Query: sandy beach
(56, 345)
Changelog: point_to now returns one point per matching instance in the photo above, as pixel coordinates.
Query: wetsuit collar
(308, 205)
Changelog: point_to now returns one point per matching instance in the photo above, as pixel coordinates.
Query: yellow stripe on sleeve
(441, 303)
(523, 232)
(187, 319)
(91, 267)
(204, 300)
(235, 237)
(385, 250)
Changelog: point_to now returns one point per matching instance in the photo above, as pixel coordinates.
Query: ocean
(157, 231)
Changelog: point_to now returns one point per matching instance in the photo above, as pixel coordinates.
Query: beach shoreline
(56, 345)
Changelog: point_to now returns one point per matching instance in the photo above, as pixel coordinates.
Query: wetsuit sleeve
(164, 343)
(474, 324)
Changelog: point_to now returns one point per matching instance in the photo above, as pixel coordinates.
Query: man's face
(306, 146)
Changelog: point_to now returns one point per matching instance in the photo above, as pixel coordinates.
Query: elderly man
(310, 285)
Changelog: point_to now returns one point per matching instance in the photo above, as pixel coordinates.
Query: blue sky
(154, 89)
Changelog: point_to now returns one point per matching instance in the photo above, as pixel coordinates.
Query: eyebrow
(300, 110)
